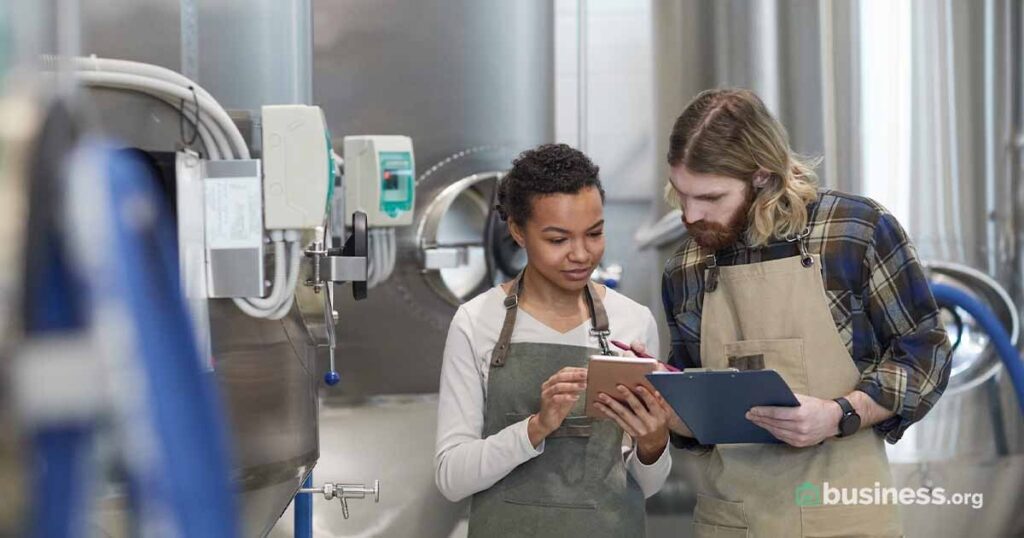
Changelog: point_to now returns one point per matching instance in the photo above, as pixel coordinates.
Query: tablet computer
(605, 373)
(714, 403)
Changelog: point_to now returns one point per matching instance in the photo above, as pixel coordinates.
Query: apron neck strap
(598, 317)
(801, 242)
(598, 320)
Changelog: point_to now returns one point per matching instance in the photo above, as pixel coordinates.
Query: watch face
(849, 424)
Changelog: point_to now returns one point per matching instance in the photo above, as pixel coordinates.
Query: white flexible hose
(293, 280)
(392, 250)
(385, 233)
(382, 256)
(175, 92)
(208, 104)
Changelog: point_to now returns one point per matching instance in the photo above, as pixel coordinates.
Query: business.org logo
(808, 494)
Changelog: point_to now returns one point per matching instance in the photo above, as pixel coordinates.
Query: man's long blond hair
(729, 132)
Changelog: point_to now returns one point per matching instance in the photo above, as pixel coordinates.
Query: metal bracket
(343, 268)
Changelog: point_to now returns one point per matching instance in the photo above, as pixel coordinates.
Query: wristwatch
(850, 421)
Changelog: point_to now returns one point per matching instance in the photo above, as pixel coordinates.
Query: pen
(626, 347)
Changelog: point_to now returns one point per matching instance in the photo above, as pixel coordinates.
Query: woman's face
(564, 236)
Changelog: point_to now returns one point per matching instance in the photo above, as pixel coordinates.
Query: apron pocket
(784, 355)
(717, 518)
(850, 520)
(703, 530)
(558, 477)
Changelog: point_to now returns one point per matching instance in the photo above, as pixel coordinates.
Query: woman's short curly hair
(546, 169)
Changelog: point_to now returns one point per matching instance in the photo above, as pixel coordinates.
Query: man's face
(714, 207)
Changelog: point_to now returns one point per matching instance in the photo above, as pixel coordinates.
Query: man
(823, 287)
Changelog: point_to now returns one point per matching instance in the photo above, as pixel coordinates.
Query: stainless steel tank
(267, 370)
(472, 83)
(972, 441)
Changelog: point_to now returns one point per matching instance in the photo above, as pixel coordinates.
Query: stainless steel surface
(1000, 481)
(389, 438)
(453, 226)
(972, 441)
(267, 373)
(256, 52)
(455, 76)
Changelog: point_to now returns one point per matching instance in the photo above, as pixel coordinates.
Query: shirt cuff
(689, 444)
(893, 427)
(525, 447)
(664, 459)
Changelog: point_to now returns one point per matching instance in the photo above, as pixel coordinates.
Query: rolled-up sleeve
(677, 355)
(913, 358)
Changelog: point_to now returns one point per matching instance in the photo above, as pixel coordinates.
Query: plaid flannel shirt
(877, 292)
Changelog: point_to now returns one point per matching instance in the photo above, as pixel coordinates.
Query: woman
(512, 431)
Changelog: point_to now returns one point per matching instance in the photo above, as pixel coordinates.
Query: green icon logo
(808, 494)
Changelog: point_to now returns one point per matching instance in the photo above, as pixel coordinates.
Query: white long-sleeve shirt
(464, 462)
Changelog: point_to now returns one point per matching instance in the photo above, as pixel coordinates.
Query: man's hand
(807, 425)
(636, 349)
(557, 396)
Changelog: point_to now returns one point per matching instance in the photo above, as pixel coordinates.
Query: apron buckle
(602, 339)
(511, 301)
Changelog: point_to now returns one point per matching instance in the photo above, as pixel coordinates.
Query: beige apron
(775, 315)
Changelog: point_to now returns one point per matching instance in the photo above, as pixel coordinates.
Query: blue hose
(191, 479)
(949, 296)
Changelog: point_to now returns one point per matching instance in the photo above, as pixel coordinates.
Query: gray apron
(579, 485)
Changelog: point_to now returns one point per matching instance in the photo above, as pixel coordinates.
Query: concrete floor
(680, 526)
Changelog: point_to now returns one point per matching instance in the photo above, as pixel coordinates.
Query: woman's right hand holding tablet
(675, 424)
(558, 395)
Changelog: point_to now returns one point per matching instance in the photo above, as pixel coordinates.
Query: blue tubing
(304, 511)
(949, 296)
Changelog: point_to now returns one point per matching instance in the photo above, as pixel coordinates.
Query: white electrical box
(380, 179)
(297, 168)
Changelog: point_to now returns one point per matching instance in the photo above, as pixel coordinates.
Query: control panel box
(297, 168)
(380, 179)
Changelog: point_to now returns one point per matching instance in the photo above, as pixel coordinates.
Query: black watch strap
(845, 404)
(849, 423)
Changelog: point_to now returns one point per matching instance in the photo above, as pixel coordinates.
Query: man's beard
(714, 236)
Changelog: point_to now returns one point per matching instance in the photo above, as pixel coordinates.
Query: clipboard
(605, 373)
(713, 403)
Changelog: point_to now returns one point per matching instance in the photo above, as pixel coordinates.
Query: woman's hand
(643, 417)
(638, 348)
(557, 397)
